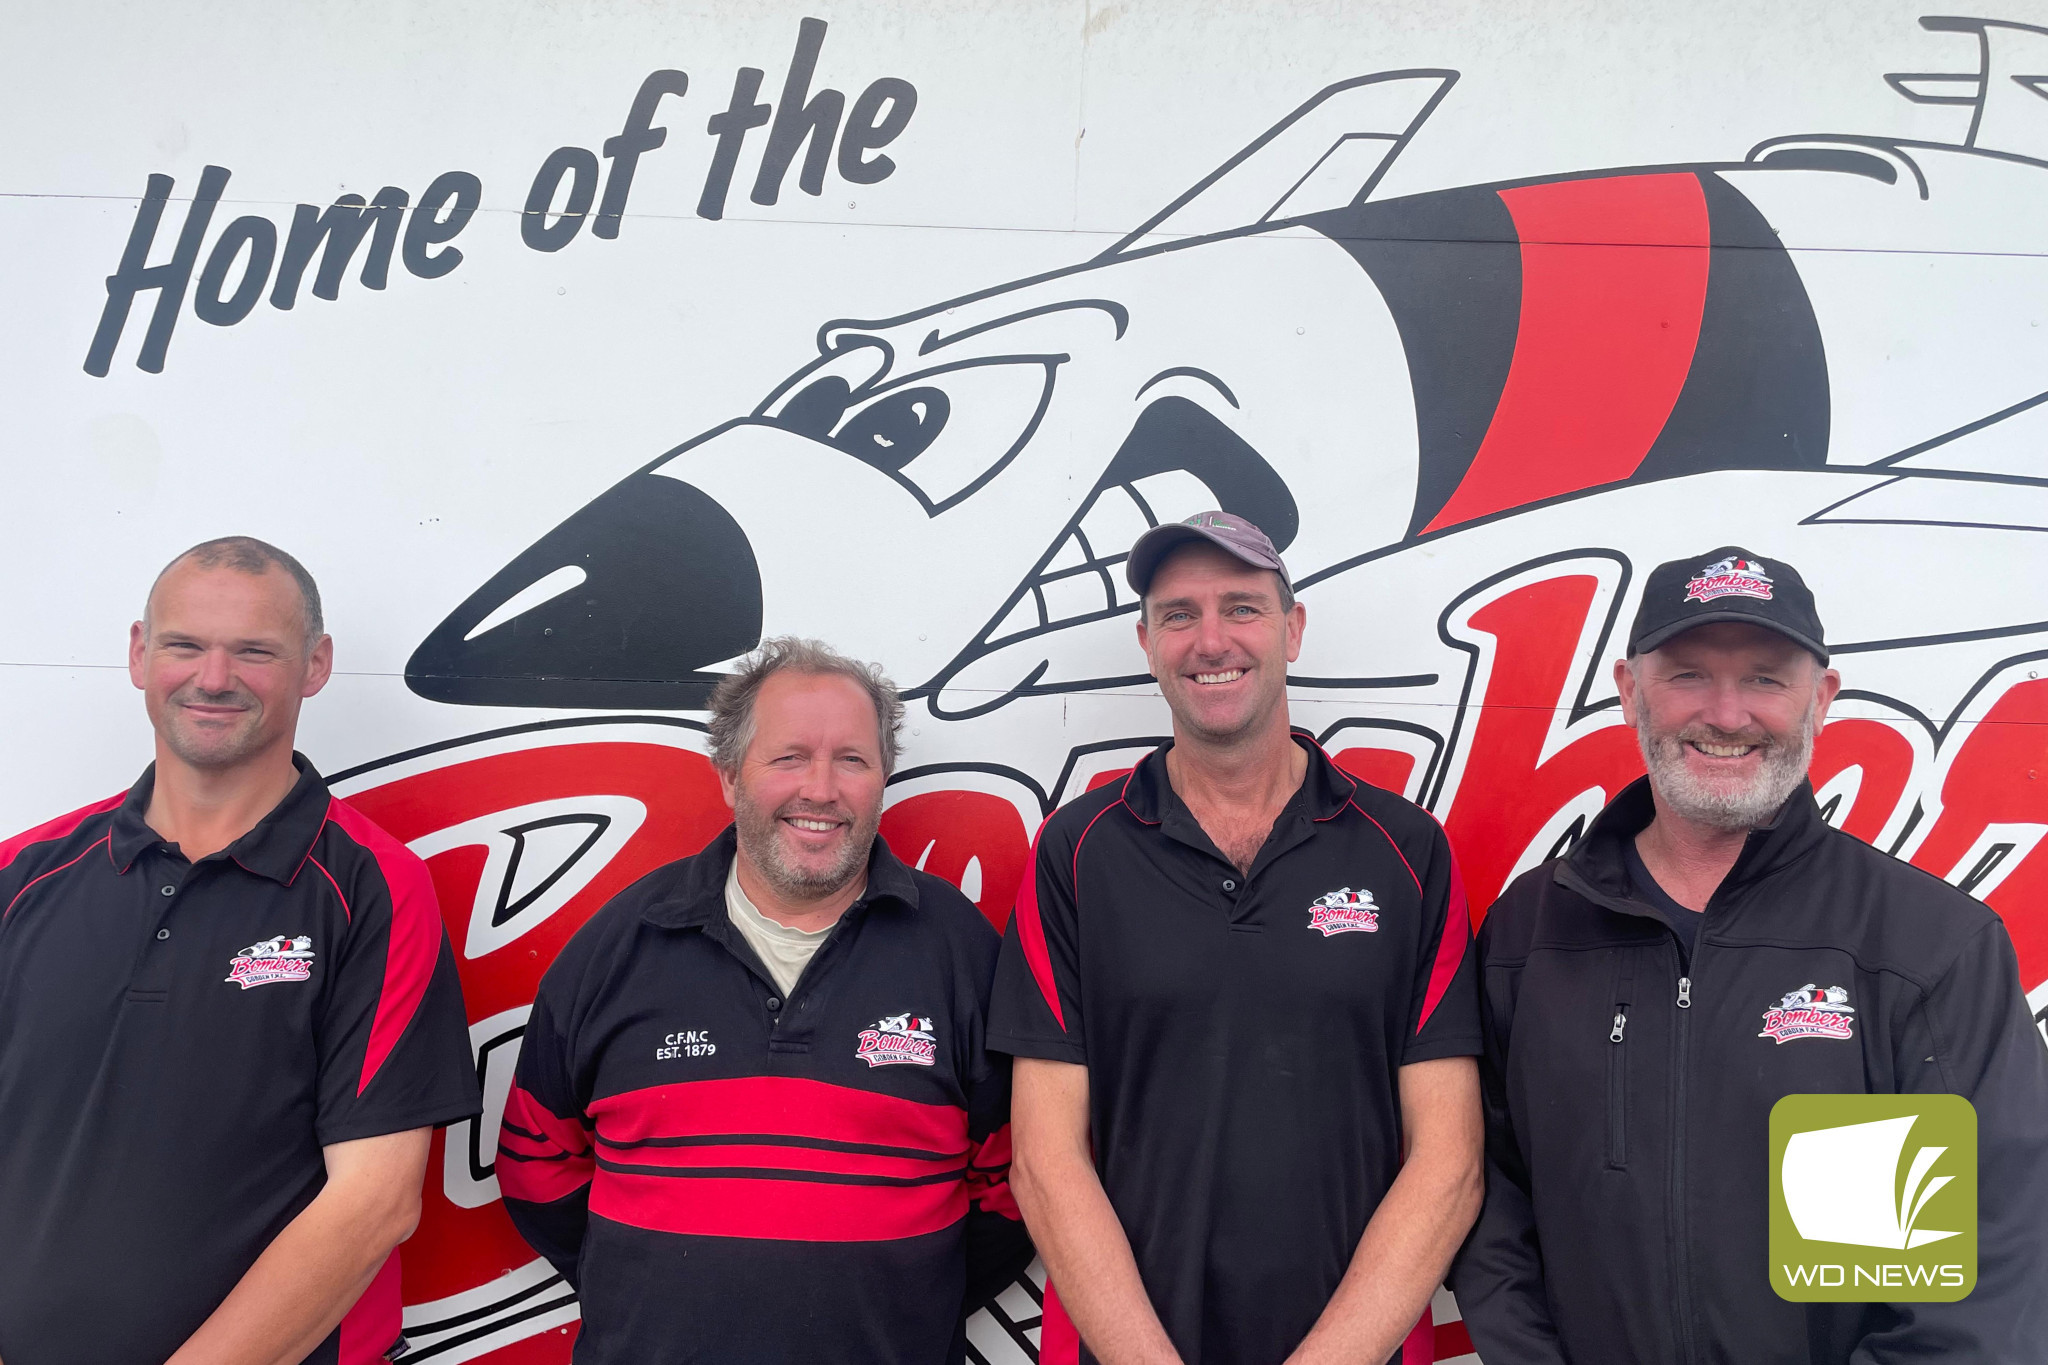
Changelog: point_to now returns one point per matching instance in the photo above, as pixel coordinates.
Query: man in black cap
(1239, 989)
(1710, 946)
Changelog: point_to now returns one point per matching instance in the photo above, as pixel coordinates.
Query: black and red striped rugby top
(1243, 1032)
(726, 1175)
(177, 1043)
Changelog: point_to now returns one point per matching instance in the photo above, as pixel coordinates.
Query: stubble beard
(761, 839)
(1755, 803)
(222, 748)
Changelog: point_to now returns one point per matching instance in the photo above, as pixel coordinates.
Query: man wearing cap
(1710, 946)
(1242, 1004)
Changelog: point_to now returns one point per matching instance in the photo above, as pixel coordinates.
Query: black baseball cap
(1728, 584)
(1229, 533)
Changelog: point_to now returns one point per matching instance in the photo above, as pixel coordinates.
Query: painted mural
(1472, 416)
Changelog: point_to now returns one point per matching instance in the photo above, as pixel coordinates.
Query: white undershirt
(784, 951)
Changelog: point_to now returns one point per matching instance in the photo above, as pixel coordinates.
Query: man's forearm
(311, 1274)
(1088, 1259)
(1399, 1263)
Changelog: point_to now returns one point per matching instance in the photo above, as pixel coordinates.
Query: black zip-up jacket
(1628, 1097)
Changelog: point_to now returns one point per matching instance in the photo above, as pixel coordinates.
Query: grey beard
(1784, 767)
(760, 835)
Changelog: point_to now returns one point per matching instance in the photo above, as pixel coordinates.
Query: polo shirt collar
(1325, 788)
(698, 895)
(276, 848)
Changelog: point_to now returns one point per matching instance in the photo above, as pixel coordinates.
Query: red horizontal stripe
(779, 1157)
(786, 1106)
(542, 1168)
(541, 1182)
(988, 1176)
(777, 1210)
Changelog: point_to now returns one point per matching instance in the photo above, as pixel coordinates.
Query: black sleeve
(1445, 1020)
(1498, 1274)
(998, 1247)
(1036, 1011)
(545, 1157)
(1973, 1036)
(394, 1039)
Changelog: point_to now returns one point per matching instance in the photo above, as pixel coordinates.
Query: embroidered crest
(274, 959)
(899, 1040)
(1810, 1012)
(1344, 911)
(1730, 577)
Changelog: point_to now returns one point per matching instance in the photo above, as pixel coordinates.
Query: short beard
(1783, 769)
(218, 749)
(760, 837)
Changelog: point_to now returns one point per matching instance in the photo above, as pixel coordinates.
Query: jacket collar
(276, 848)
(1597, 867)
(696, 895)
(1324, 787)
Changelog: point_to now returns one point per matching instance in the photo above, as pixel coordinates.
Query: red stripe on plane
(777, 1210)
(1614, 283)
(786, 1106)
(416, 934)
(55, 829)
(1031, 929)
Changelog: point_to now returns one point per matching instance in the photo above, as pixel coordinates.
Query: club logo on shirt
(1344, 911)
(1730, 577)
(1810, 1012)
(274, 959)
(899, 1040)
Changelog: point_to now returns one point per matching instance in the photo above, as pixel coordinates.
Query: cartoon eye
(946, 432)
(812, 401)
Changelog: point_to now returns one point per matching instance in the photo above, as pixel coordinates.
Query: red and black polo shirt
(1242, 1031)
(179, 1040)
(728, 1175)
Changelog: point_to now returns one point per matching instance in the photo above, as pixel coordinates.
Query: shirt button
(163, 933)
(1229, 885)
(774, 1003)
(170, 891)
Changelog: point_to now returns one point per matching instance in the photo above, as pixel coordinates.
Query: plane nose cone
(615, 609)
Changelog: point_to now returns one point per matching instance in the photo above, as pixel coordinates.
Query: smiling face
(807, 797)
(223, 663)
(1726, 715)
(1218, 640)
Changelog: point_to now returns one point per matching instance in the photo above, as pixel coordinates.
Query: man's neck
(203, 810)
(1688, 859)
(1236, 791)
(807, 915)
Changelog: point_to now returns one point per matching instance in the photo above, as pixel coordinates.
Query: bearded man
(1708, 947)
(754, 1119)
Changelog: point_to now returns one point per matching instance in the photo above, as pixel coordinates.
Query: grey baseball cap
(1229, 533)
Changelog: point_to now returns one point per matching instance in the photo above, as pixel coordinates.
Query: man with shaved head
(229, 1019)
(1709, 947)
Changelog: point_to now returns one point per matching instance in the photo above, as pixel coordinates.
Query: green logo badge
(1873, 1198)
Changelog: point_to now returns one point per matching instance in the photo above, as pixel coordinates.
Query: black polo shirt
(177, 1043)
(727, 1174)
(1242, 1032)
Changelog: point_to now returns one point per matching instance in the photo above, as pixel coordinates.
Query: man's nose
(1727, 708)
(214, 670)
(1211, 640)
(821, 782)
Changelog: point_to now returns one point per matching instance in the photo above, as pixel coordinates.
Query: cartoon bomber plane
(1356, 376)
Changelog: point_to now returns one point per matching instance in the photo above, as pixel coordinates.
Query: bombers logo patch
(899, 1040)
(1730, 577)
(1344, 911)
(1810, 1012)
(274, 959)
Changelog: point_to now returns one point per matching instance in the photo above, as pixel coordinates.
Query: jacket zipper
(1617, 1068)
(1680, 1234)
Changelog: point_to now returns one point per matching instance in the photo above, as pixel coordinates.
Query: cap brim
(1156, 544)
(1656, 638)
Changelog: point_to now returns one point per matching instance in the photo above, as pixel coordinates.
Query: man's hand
(308, 1278)
(1087, 1256)
(1410, 1239)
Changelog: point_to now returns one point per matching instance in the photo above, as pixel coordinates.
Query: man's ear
(1625, 684)
(138, 649)
(727, 788)
(319, 666)
(1826, 688)
(1297, 623)
(1144, 641)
